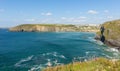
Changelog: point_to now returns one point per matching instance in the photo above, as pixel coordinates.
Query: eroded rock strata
(53, 28)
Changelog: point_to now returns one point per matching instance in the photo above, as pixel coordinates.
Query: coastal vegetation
(111, 33)
(112, 29)
(97, 64)
(53, 28)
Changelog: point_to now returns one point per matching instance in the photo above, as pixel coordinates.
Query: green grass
(99, 64)
(59, 25)
(112, 29)
(53, 27)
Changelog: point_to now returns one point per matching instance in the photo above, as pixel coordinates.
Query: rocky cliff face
(53, 28)
(111, 33)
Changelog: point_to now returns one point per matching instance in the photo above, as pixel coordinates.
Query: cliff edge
(53, 28)
(111, 33)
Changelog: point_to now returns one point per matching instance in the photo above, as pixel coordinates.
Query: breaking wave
(23, 60)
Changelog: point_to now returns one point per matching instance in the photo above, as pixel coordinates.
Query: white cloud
(109, 17)
(82, 17)
(74, 20)
(78, 20)
(92, 12)
(2, 10)
(30, 20)
(106, 11)
(47, 14)
(63, 18)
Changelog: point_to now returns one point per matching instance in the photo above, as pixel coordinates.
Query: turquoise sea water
(32, 51)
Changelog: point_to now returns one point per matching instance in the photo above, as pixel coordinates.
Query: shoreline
(110, 43)
(53, 28)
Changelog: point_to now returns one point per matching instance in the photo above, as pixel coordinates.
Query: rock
(111, 33)
(102, 38)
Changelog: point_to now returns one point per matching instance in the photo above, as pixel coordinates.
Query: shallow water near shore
(32, 51)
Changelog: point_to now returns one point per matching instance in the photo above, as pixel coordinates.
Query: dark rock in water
(102, 29)
(102, 38)
(110, 34)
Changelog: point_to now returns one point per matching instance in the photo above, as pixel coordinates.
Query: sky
(16, 12)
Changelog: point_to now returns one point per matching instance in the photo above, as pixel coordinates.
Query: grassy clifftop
(111, 33)
(59, 25)
(53, 28)
(99, 64)
(42, 28)
(112, 29)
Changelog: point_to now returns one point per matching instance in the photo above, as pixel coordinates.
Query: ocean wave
(55, 54)
(36, 68)
(107, 56)
(111, 53)
(49, 63)
(49, 59)
(99, 43)
(112, 50)
(23, 60)
(89, 55)
(91, 39)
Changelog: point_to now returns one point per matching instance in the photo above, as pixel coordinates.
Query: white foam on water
(50, 53)
(23, 60)
(91, 39)
(42, 66)
(115, 54)
(87, 53)
(112, 53)
(62, 56)
(48, 60)
(49, 64)
(55, 61)
(99, 43)
(55, 54)
(36, 68)
(85, 60)
(43, 54)
(107, 55)
(59, 64)
(112, 50)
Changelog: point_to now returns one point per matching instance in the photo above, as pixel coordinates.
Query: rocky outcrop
(111, 33)
(53, 28)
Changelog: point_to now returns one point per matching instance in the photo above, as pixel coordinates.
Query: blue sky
(15, 12)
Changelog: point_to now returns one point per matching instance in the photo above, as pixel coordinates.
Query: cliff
(111, 33)
(53, 28)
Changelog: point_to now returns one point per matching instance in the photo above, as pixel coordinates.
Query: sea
(34, 51)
